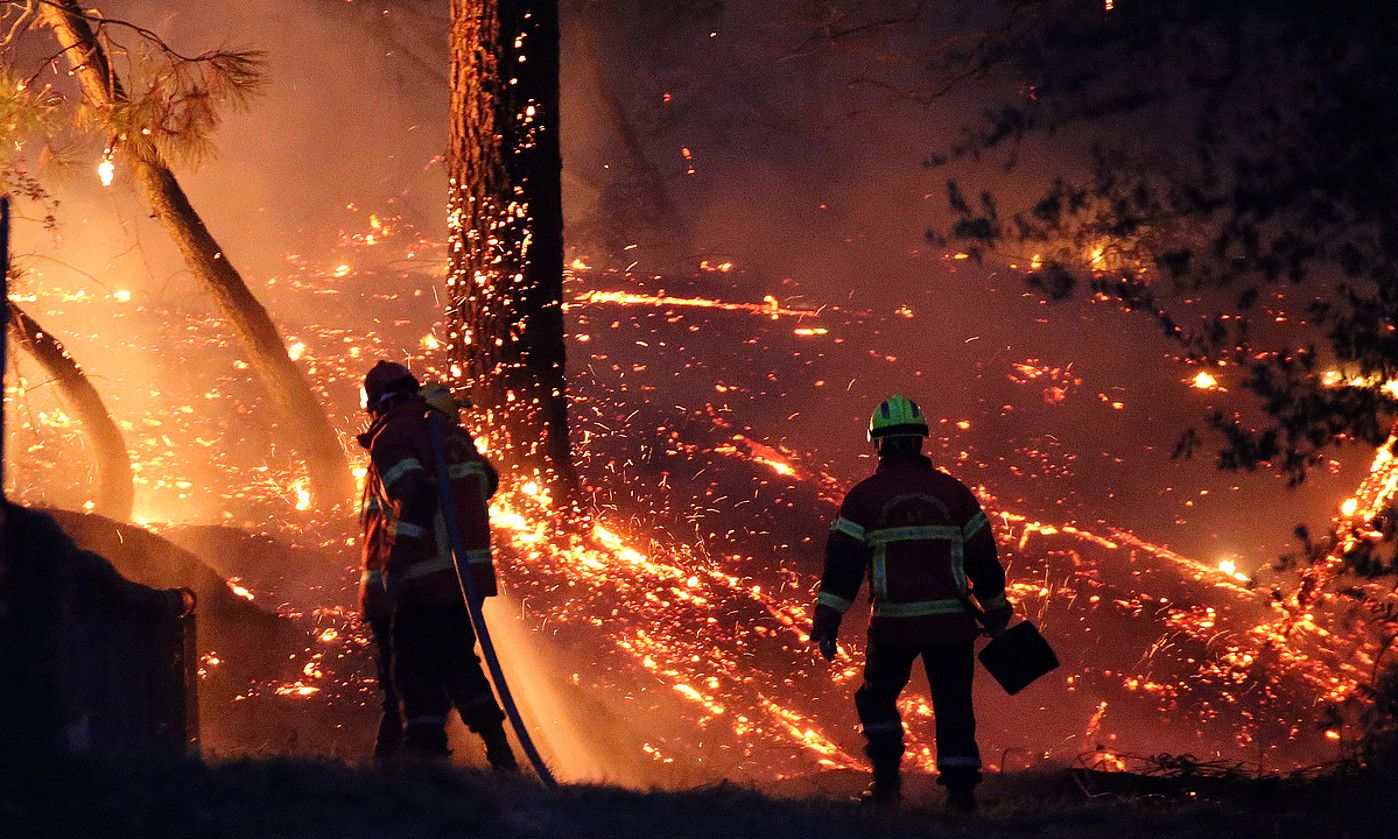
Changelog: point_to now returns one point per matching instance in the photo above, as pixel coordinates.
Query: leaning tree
(114, 490)
(176, 107)
(505, 281)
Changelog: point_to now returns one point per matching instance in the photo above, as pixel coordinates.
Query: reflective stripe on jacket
(926, 546)
(374, 602)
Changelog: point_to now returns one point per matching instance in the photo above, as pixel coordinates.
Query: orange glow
(769, 306)
(235, 586)
(1204, 380)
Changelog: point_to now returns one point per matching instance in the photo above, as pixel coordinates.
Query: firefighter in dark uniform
(376, 610)
(928, 550)
(435, 666)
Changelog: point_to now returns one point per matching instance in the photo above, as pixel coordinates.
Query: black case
(1018, 657)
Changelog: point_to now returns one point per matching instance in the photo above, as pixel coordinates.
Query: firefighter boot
(885, 754)
(426, 740)
(886, 790)
(390, 738)
(497, 749)
(961, 788)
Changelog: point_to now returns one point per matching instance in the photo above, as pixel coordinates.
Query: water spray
(473, 601)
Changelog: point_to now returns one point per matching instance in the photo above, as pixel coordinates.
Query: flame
(727, 648)
(235, 585)
(106, 167)
(302, 490)
(1204, 380)
(769, 306)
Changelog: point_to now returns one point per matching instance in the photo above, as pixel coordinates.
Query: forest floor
(280, 797)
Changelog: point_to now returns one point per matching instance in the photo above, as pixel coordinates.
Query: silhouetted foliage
(1242, 160)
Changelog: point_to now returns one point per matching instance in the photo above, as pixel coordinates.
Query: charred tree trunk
(506, 229)
(304, 420)
(114, 487)
(4, 358)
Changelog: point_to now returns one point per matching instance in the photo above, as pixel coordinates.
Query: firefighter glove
(824, 632)
(997, 619)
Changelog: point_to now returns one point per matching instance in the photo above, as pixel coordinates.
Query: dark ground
(281, 797)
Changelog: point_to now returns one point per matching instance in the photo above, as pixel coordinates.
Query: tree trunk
(506, 229)
(303, 419)
(114, 488)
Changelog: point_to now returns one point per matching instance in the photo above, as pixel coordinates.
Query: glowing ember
(689, 579)
(297, 689)
(106, 168)
(235, 586)
(1230, 568)
(769, 306)
(302, 491)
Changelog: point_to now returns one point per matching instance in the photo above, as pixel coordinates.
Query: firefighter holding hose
(927, 548)
(432, 643)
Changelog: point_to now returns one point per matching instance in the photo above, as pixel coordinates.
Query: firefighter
(435, 666)
(376, 607)
(928, 550)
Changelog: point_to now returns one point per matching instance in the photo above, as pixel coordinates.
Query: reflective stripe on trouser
(436, 667)
(950, 668)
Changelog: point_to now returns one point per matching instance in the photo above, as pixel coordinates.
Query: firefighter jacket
(407, 549)
(927, 547)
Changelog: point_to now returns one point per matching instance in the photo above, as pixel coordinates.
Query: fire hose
(474, 602)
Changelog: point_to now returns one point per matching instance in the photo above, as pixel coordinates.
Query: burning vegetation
(660, 606)
(678, 599)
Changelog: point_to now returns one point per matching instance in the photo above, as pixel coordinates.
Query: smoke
(812, 187)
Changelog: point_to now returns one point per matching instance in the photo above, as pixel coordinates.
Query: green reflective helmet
(897, 416)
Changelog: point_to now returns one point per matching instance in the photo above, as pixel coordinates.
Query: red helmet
(386, 378)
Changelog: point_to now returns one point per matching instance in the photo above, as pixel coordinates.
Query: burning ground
(659, 637)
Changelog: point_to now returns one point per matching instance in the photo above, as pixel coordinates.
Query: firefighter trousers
(435, 667)
(950, 668)
(391, 721)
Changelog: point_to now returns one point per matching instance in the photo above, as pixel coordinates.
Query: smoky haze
(716, 134)
(813, 186)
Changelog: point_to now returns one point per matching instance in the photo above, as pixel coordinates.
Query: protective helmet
(438, 396)
(897, 416)
(384, 379)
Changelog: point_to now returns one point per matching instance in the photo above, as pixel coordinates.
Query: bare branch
(100, 21)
